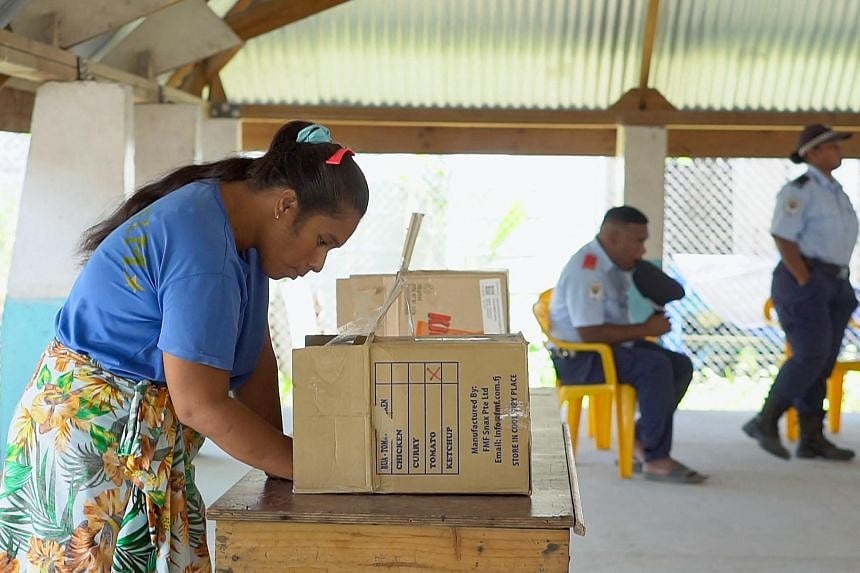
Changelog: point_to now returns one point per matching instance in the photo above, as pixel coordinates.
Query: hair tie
(338, 156)
(314, 133)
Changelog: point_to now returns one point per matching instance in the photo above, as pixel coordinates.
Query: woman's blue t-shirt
(170, 280)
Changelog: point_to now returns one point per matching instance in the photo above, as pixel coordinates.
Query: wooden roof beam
(268, 15)
(548, 119)
(569, 140)
(37, 62)
(249, 20)
(542, 132)
(648, 49)
(186, 32)
(80, 21)
(16, 110)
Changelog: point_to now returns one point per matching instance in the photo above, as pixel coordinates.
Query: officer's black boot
(813, 444)
(763, 428)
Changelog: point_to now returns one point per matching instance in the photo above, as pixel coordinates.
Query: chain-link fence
(717, 242)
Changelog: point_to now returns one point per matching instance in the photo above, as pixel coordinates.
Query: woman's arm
(201, 401)
(260, 391)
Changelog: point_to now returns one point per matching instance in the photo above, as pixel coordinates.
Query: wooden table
(262, 526)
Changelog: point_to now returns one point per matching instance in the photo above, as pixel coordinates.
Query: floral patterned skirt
(98, 476)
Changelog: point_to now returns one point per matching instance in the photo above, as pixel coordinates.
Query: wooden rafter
(216, 91)
(239, 6)
(648, 48)
(548, 119)
(249, 20)
(81, 20)
(423, 130)
(268, 15)
(16, 109)
(545, 141)
(37, 62)
(178, 76)
(193, 77)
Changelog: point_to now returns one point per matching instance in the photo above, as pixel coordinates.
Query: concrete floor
(755, 514)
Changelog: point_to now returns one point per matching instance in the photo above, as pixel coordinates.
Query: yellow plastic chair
(834, 385)
(600, 396)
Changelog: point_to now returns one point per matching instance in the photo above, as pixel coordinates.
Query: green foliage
(541, 370)
(285, 386)
(515, 215)
(437, 182)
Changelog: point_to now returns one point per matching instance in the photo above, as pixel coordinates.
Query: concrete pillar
(166, 136)
(222, 137)
(78, 170)
(642, 154)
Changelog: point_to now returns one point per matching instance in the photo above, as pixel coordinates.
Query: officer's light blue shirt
(590, 291)
(170, 280)
(814, 212)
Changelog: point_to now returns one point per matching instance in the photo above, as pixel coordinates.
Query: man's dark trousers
(660, 376)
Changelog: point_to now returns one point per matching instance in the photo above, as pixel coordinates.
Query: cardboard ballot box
(441, 302)
(412, 415)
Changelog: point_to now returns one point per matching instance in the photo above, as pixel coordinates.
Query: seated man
(589, 304)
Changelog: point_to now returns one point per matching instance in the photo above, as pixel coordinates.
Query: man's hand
(657, 324)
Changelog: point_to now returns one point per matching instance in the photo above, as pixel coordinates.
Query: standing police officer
(589, 304)
(815, 229)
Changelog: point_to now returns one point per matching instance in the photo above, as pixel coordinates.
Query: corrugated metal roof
(774, 55)
(446, 53)
(787, 55)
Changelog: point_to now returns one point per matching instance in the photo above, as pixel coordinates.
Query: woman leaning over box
(167, 317)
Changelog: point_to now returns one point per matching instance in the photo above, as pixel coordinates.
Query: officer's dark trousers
(660, 377)
(814, 317)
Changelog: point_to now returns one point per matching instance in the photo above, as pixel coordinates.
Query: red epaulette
(589, 262)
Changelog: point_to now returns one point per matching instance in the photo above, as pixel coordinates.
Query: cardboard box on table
(434, 302)
(412, 415)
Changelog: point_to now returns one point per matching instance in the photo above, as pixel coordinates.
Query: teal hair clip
(314, 133)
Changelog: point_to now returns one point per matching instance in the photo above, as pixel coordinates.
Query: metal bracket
(224, 110)
(84, 70)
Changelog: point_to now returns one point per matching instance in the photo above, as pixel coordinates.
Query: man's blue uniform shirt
(591, 291)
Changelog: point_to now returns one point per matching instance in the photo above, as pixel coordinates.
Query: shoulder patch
(801, 181)
(792, 206)
(590, 261)
(595, 290)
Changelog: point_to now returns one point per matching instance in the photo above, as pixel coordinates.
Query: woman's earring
(277, 216)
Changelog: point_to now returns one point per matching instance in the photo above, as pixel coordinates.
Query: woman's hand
(201, 401)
